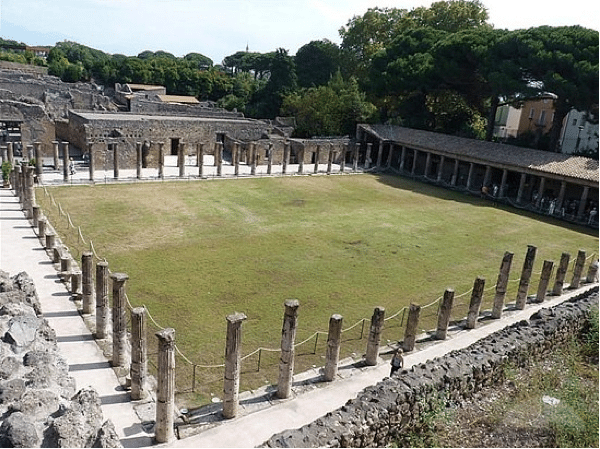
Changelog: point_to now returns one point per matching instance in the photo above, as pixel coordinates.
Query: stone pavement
(261, 415)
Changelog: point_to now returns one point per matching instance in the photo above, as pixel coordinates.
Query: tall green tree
(316, 62)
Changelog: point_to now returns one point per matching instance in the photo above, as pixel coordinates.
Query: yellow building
(534, 116)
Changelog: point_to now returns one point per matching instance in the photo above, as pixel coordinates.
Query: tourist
(397, 361)
(71, 166)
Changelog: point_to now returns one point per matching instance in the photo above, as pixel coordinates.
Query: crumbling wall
(39, 404)
(382, 413)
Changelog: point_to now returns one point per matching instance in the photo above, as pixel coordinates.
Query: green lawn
(198, 251)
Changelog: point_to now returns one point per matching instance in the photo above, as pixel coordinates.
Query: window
(531, 113)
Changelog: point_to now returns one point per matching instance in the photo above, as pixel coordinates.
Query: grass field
(198, 251)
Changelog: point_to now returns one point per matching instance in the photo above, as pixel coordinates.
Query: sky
(219, 28)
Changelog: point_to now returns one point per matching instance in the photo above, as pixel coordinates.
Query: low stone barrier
(382, 413)
(39, 404)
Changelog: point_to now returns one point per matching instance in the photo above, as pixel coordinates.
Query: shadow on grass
(442, 193)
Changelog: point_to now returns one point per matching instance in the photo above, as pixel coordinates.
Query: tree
(332, 109)
(316, 62)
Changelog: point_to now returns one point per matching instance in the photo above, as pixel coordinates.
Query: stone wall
(39, 404)
(393, 407)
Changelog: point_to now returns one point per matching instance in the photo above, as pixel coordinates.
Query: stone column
(253, 159)
(402, 158)
(578, 269)
(413, 169)
(561, 273)
(582, 202)
(286, 155)
(65, 266)
(119, 319)
(139, 361)
(501, 285)
(487, 176)
(55, 154)
(199, 154)
(233, 364)
(544, 280)
(301, 161)
(65, 146)
(161, 160)
(16, 179)
(501, 191)
(10, 153)
(165, 390)
(343, 151)
(181, 159)
(115, 147)
(592, 274)
(374, 340)
(4, 155)
(76, 284)
(541, 191)
(92, 166)
(288, 337)
(475, 304)
(561, 195)
(470, 175)
(334, 337)
(455, 172)
(200, 159)
(38, 160)
(389, 160)
(444, 314)
(138, 160)
(50, 241)
(87, 276)
(427, 165)
(440, 172)
(412, 327)
(521, 187)
(101, 300)
(42, 229)
(330, 159)
(368, 156)
(270, 159)
(525, 277)
(236, 158)
(35, 215)
(355, 157)
(219, 158)
(317, 157)
(29, 191)
(379, 153)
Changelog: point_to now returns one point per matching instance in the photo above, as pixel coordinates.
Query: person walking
(397, 361)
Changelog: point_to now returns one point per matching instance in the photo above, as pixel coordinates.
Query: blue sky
(218, 28)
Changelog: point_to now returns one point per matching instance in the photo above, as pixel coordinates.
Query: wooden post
(561, 273)
(233, 365)
(119, 319)
(87, 267)
(525, 277)
(412, 327)
(139, 362)
(165, 391)
(544, 280)
(286, 361)
(578, 269)
(374, 341)
(101, 300)
(444, 314)
(475, 304)
(332, 358)
(501, 285)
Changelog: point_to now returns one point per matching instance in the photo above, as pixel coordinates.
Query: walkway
(261, 416)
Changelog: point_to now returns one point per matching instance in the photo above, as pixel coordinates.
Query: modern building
(534, 115)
